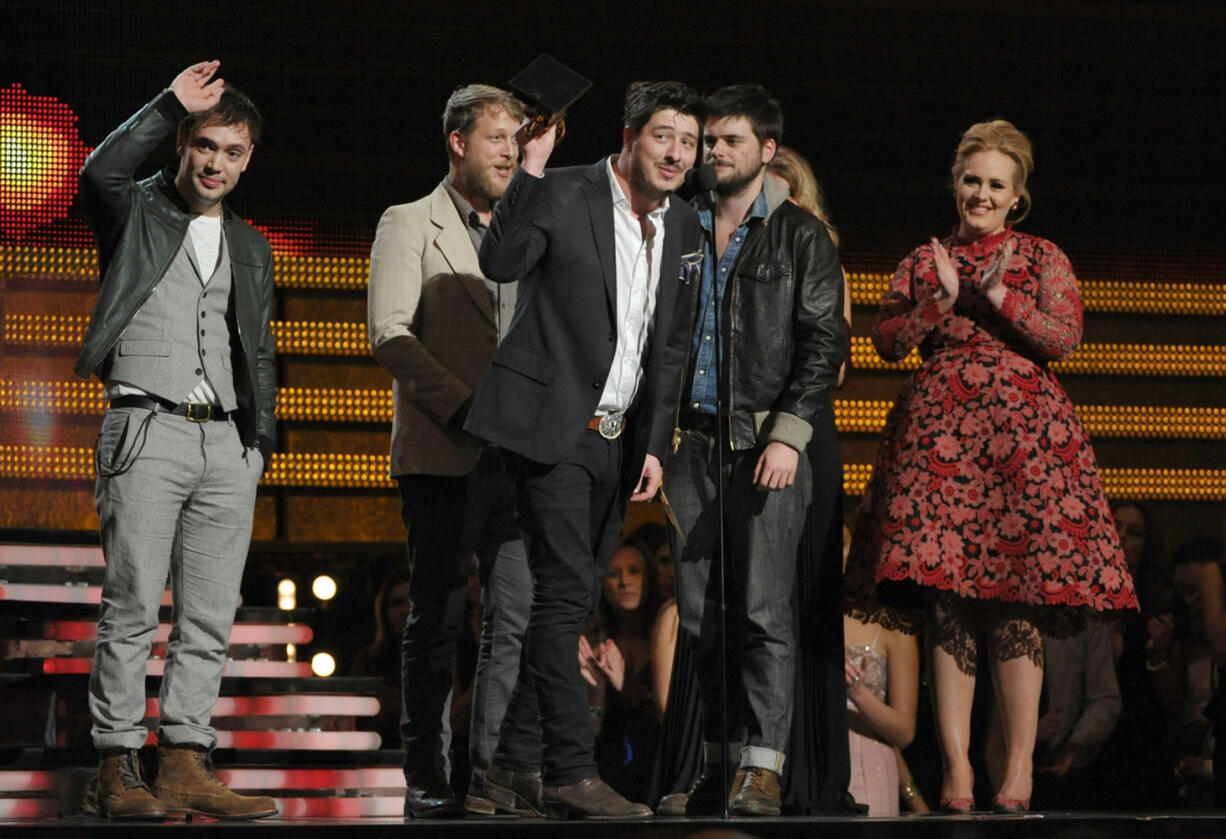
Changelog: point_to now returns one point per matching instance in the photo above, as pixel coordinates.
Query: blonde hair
(802, 186)
(1002, 136)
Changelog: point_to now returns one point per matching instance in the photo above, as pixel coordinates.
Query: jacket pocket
(518, 382)
(525, 363)
(766, 272)
(134, 347)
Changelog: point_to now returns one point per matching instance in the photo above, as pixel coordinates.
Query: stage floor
(1199, 825)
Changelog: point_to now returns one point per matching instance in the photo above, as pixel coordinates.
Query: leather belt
(194, 411)
(610, 426)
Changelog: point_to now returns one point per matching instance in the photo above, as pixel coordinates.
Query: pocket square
(691, 265)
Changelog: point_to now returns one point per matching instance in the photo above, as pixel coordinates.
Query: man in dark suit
(434, 322)
(580, 397)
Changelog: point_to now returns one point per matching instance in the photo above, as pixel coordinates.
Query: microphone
(700, 178)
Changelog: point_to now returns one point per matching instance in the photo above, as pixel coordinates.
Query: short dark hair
(466, 104)
(753, 102)
(233, 108)
(645, 98)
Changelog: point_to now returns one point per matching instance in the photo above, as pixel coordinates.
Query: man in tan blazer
(434, 323)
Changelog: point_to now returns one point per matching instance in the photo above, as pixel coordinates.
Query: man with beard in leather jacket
(767, 342)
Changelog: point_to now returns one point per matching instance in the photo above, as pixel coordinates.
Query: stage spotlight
(287, 595)
(323, 587)
(323, 665)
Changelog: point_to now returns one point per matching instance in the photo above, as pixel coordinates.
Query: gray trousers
(450, 519)
(174, 497)
(762, 534)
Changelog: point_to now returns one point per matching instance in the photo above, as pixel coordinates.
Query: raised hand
(947, 276)
(192, 88)
(536, 148)
(612, 664)
(991, 282)
(589, 668)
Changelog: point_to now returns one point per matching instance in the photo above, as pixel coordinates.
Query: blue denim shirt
(704, 394)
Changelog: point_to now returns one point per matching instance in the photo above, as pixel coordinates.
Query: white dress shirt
(638, 278)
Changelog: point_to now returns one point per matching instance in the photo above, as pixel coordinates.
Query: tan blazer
(431, 324)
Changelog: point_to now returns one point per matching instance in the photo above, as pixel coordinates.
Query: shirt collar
(760, 209)
(619, 197)
(465, 209)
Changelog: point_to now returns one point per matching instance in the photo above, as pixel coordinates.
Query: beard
(481, 181)
(736, 184)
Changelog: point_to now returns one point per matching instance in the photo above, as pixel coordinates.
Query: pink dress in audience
(874, 771)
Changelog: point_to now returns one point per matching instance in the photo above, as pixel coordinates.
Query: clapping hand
(947, 275)
(991, 284)
(604, 663)
(192, 88)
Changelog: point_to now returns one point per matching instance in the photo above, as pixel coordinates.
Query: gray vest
(180, 334)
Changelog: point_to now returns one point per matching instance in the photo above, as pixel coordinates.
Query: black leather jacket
(139, 227)
(783, 329)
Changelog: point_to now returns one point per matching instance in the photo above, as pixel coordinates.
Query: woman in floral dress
(985, 506)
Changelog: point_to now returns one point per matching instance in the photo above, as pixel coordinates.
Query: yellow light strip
(81, 265)
(349, 339)
(852, 416)
(369, 471)
(867, 288)
(1091, 359)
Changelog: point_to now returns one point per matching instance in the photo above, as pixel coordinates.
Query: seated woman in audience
(1192, 730)
(615, 660)
(1136, 761)
(381, 658)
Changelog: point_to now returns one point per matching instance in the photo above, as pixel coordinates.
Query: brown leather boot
(121, 792)
(757, 794)
(186, 784)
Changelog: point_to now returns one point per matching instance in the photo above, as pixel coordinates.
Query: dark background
(1122, 99)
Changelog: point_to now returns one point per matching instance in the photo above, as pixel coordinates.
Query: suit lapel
(600, 209)
(456, 248)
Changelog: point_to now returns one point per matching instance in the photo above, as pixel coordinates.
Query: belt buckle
(611, 425)
(193, 415)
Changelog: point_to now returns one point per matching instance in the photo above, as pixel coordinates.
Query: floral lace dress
(985, 485)
(874, 769)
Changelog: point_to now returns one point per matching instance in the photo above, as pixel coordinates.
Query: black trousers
(570, 514)
(449, 519)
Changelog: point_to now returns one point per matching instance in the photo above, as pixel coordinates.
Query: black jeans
(449, 519)
(570, 514)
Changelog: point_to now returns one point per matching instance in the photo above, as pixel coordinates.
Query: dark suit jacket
(555, 236)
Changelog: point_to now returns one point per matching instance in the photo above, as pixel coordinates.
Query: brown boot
(757, 793)
(121, 792)
(186, 784)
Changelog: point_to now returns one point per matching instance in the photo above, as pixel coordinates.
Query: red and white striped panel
(375, 777)
(26, 780)
(52, 556)
(314, 704)
(240, 633)
(242, 668)
(341, 808)
(58, 593)
(355, 741)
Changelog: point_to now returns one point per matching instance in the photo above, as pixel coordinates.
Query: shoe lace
(131, 772)
(205, 761)
(758, 778)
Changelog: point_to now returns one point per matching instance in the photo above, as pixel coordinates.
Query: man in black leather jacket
(767, 343)
(181, 338)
